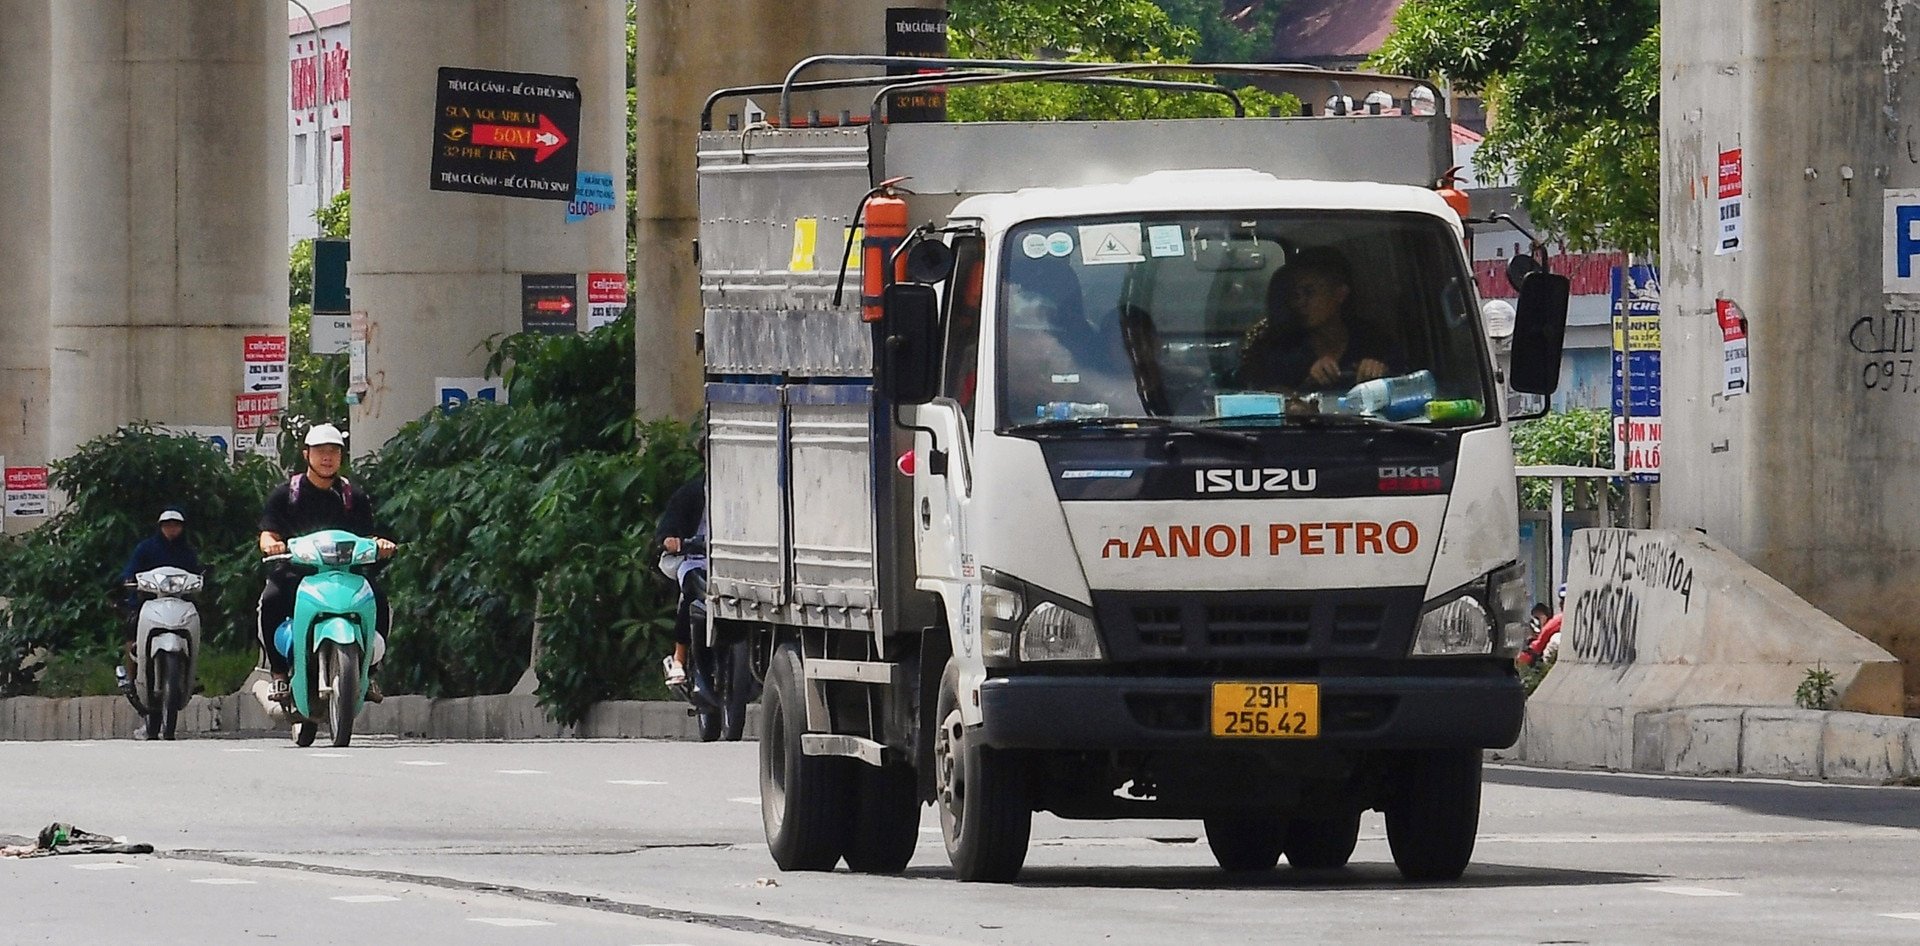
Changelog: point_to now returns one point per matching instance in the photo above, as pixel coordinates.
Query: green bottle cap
(1461, 409)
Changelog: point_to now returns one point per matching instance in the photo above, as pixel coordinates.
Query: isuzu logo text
(1255, 481)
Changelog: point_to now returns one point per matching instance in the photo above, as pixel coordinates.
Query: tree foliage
(1092, 31)
(1580, 437)
(1572, 87)
(316, 384)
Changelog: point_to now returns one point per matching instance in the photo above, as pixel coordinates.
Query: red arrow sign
(562, 306)
(544, 140)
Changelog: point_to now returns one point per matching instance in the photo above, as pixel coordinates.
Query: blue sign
(592, 193)
(453, 398)
(1636, 366)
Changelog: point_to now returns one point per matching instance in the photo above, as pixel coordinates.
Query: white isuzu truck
(1112, 469)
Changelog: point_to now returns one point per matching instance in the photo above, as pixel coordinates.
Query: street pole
(319, 119)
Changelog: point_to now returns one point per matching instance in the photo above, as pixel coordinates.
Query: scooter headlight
(337, 553)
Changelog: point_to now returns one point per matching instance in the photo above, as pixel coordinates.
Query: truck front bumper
(1096, 713)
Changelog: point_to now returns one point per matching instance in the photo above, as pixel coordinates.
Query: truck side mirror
(908, 354)
(1539, 333)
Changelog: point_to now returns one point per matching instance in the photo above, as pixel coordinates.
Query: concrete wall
(685, 49)
(1810, 477)
(25, 213)
(438, 272)
(169, 237)
(1663, 620)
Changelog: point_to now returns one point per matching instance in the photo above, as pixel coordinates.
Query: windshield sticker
(1035, 246)
(1106, 243)
(1165, 239)
(1066, 379)
(1246, 405)
(1096, 474)
(1059, 243)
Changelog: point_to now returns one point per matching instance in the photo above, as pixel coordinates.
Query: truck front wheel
(802, 797)
(985, 817)
(1432, 820)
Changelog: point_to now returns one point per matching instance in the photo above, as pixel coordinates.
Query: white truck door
(943, 457)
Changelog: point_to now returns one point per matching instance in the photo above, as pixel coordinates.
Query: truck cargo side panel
(832, 533)
(746, 526)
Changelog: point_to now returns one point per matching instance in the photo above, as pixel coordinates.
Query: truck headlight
(1460, 626)
(1054, 632)
(1000, 610)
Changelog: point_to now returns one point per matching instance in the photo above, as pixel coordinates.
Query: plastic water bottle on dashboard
(1395, 398)
(1070, 410)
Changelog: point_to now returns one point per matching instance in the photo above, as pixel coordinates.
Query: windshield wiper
(1336, 420)
(1158, 423)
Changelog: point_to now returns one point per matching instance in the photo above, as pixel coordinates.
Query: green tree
(1573, 90)
(1245, 35)
(316, 384)
(1580, 437)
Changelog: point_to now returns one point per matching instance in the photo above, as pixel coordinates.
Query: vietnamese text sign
(264, 365)
(26, 492)
(592, 193)
(266, 443)
(511, 134)
(1636, 371)
(254, 411)
(606, 298)
(1732, 201)
(1733, 335)
(457, 392)
(330, 334)
(547, 303)
(357, 378)
(922, 34)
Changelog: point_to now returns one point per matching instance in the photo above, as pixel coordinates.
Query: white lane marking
(116, 865)
(421, 762)
(225, 882)
(632, 781)
(746, 801)
(519, 772)
(1681, 890)
(507, 921)
(326, 755)
(242, 749)
(367, 898)
(1901, 916)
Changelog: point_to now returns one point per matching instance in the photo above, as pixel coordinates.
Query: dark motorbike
(720, 681)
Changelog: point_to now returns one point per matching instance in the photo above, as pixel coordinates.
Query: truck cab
(1174, 481)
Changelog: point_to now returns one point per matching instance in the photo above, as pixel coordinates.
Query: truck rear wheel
(1432, 821)
(886, 819)
(985, 817)
(1322, 843)
(1246, 843)
(802, 797)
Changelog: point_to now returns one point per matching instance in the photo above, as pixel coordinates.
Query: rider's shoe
(279, 692)
(676, 674)
(373, 692)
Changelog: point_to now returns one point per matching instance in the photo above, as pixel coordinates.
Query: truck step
(858, 747)
(857, 671)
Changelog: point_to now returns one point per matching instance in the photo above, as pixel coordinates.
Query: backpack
(346, 490)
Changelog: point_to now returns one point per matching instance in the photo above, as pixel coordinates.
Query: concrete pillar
(169, 176)
(685, 49)
(24, 214)
(437, 272)
(1812, 477)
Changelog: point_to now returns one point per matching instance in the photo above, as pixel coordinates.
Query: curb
(39, 719)
(1768, 742)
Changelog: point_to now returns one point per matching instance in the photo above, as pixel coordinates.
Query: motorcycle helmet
(326, 434)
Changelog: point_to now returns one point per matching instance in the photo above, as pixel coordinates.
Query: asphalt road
(656, 843)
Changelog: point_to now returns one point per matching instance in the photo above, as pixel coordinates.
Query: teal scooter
(330, 641)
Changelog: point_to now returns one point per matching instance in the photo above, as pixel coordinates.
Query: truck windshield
(1245, 317)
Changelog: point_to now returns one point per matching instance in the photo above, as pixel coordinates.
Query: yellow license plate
(1266, 710)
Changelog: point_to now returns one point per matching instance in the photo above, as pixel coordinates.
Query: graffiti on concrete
(1630, 569)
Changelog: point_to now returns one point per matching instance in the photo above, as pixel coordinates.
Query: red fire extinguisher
(884, 229)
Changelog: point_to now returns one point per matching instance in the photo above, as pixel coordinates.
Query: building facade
(319, 115)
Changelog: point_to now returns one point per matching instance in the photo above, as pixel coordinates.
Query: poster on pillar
(548, 303)
(592, 194)
(1636, 371)
(921, 34)
(263, 368)
(510, 134)
(456, 393)
(1732, 204)
(26, 494)
(606, 298)
(1733, 353)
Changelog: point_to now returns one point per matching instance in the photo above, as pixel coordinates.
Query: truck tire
(1321, 843)
(1432, 820)
(886, 819)
(985, 817)
(802, 797)
(1246, 843)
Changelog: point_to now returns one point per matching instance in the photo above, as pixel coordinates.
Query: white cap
(172, 515)
(323, 434)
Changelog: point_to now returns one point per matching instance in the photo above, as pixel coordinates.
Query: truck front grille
(1217, 625)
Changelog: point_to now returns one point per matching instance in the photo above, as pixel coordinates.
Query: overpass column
(25, 209)
(1812, 475)
(439, 272)
(685, 49)
(169, 179)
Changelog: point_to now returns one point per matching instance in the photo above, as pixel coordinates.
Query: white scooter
(166, 644)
